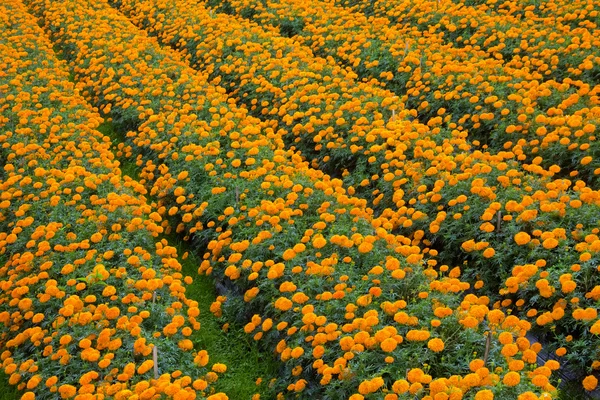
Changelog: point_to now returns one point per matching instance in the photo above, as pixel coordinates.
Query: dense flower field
(396, 199)
(87, 295)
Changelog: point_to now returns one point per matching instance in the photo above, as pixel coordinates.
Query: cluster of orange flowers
(524, 30)
(86, 297)
(498, 101)
(418, 174)
(296, 196)
(353, 280)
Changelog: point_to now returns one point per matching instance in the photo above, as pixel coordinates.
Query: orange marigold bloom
(400, 386)
(509, 350)
(489, 252)
(219, 368)
(484, 395)
(318, 351)
(417, 335)
(96, 237)
(297, 352)
(511, 379)
(51, 381)
(505, 338)
(590, 382)
(67, 391)
(550, 243)
(319, 242)
(389, 345)
(539, 380)
(365, 247)
(283, 304)
(522, 238)
(595, 329)
(528, 396)
(289, 254)
(436, 345)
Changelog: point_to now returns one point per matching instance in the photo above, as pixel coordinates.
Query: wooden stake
(155, 359)
(488, 342)
(499, 216)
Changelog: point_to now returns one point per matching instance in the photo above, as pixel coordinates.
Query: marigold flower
(365, 247)
(489, 252)
(400, 386)
(219, 368)
(283, 304)
(389, 345)
(484, 394)
(319, 242)
(511, 378)
(522, 238)
(288, 254)
(590, 382)
(67, 391)
(436, 345)
(550, 243)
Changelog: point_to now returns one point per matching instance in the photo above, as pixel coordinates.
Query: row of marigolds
(500, 105)
(347, 305)
(555, 37)
(432, 186)
(90, 306)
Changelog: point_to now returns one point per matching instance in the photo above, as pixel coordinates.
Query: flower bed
(345, 304)
(504, 101)
(87, 296)
(517, 33)
(471, 206)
